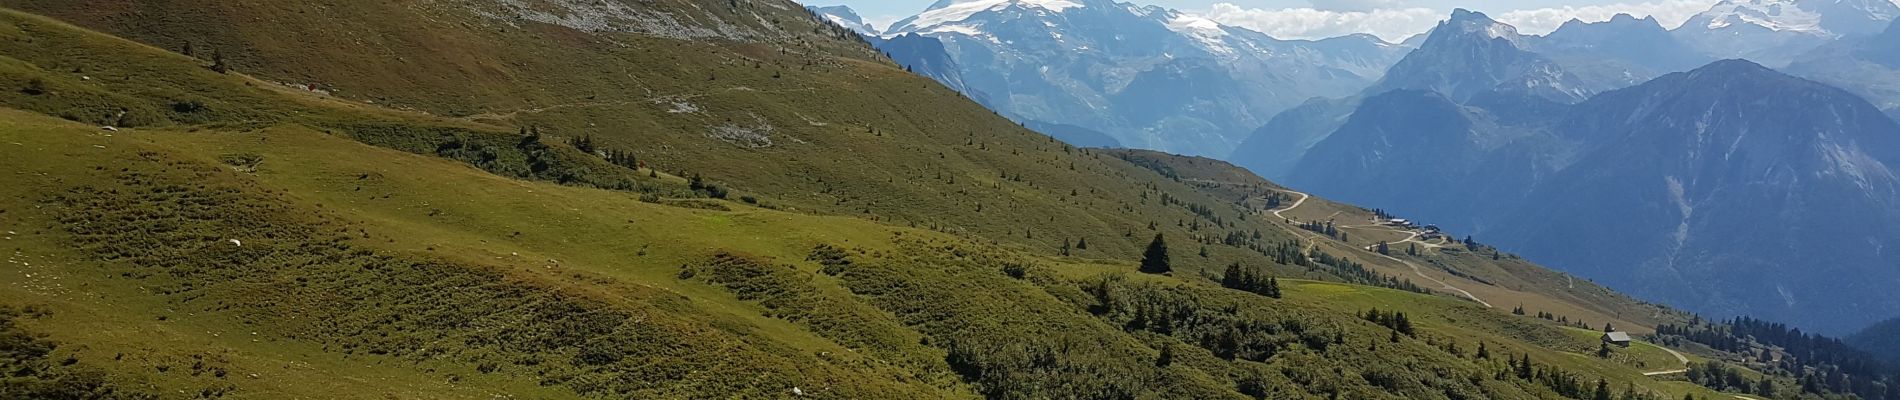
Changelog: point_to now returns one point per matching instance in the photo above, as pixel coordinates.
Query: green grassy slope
(240, 239)
(816, 129)
(1505, 281)
(525, 289)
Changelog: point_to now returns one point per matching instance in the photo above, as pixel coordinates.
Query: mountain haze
(1148, 77)
(586, 199)
(771, 211)
(1732, 189)
(1777, 32)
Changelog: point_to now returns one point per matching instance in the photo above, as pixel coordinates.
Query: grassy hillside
(232, 237)
(776, 125)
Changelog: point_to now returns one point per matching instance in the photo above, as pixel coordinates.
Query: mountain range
(678, 199)
(1729, 189)
(583, 199)
(1777, 32)
(1474, 125)
(1869, 67)
(1145, 76)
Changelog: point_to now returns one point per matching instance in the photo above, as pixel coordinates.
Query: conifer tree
(1155, 260)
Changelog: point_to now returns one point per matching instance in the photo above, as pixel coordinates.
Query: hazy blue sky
(1390, 19)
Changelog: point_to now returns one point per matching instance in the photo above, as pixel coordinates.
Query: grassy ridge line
(1012, 196)
(325, 169)
(709, 228)
(449, 58)
(849, 189)
(297, 278)
(63, 71)
(942, 163)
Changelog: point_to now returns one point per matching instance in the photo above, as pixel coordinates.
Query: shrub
(35, 87)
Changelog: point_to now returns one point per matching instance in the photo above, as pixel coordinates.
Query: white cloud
(1391, 24)
(1671, 13)
(1353, 5)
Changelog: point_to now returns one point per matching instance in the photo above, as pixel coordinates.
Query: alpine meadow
(753, 199)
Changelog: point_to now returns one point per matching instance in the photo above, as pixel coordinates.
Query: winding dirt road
(1679, 357)
(1416, 270)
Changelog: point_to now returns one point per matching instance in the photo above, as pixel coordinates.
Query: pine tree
(219, 63)
(1155, 260)
(1082, 244)
(1603, 390)
(1483, 353)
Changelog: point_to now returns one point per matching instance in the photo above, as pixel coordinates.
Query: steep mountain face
(1732, 189)
(1885, 48)
(1467, 58)
(1444, 162)
(1776, 32)
(1869, 67)
(1126, 70)
(1471, 54)
(1418, 143)
(924, 56)
(1882, 340)
(1855, 17)
(1274, 149)
(915, 53)
(1621, 52)
(846, 17)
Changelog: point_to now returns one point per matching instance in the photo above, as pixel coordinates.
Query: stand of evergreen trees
(1250, 280)
(1816, 365)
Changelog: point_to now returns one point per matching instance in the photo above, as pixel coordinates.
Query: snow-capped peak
(1210, 34)
(1776, 15)
(947, 15)
(846, 17)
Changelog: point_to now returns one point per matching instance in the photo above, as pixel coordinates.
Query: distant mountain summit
(1774, 32)
(1868, 66)
(1885, 48)
(1620, 52)
(846, 17)
(1731, 189)
(1147, 77)
(1471, 54)
(1468, 57)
